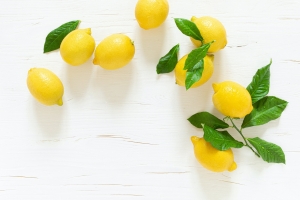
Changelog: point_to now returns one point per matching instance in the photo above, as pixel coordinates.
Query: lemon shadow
(113, 85)
(49, 120)
(78, 79)
(151, 42)
(213, 185)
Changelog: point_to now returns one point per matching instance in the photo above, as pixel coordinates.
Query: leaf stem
(240, 132)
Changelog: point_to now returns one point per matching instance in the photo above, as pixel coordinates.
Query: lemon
(45, 86)
(151, 13)
(211, 158)
(210, 29)
(77, 47)
(232, 99)
(114, 52)
(180, 72)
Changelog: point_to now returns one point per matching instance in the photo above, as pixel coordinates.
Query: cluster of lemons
(117, 50)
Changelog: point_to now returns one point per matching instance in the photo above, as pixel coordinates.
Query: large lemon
(180, 72)
(210, 29)
(151, 13)
(45, 86)
(77, 47)
(114, 52)
(232, 99)
(211, 158)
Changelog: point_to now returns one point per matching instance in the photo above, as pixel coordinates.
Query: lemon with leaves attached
(45, 86)
(211, 158)
(180, 72)
(210, 29)
(114, 52)
(77, 47)
(151, 13)
(232, 99)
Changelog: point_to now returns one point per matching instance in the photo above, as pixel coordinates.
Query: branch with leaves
(194, 63)
(265, 109)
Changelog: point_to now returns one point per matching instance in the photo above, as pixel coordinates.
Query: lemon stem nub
(60, 102)
(232, 167)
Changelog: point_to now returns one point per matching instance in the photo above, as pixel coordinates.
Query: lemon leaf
(55, 37)
(260, 85)
(269, 152)
(194, 65)
(206, 118)
(188, 28)
(168, 62)
(267, 109)
(221, 140)
(195, 56)
(194, 75)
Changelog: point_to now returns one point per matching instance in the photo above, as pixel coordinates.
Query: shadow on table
(150, 43)
(49, 119)
(113, 85)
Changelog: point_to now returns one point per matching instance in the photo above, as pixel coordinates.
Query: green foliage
(55, 37)
(269, 152)
(221, 140)
(208, 119)
(168, 62)
(265, 109)
(188, 28)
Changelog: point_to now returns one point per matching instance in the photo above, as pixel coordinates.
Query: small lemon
(114, 52)
(77, 47)
(210, 29)
(232, 99)
(211, 158)
(151, 13)
(45, 86)
(180, 72)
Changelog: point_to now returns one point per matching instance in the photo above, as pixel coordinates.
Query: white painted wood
(123, 134)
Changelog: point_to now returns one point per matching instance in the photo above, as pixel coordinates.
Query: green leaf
(188, 28)
(55, 37)
(168, 62)
(206, 118)
(194, 75)
(195, 56)
(194, 65)
(269, 152)
(267, 109)
(260, 85)
(220, 140)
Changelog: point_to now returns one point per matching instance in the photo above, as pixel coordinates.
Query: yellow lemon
(210, 29)
(232, 99)
(180, 73)
(211, 158)
(77, 47)
(45, 86)
(151, 13)
(114, 52)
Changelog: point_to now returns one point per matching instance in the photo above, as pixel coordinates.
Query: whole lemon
(45, 86)
(114, 52)
(180, 72)
(232, 99)
(210, 29)
(151, 13)
(211, 158)
(77, 47)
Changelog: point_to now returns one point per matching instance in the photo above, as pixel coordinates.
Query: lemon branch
(240, 132)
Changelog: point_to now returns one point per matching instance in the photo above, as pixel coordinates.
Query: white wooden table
(124, 134)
